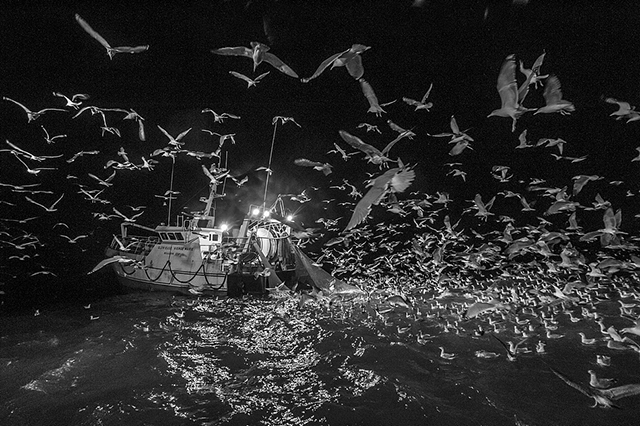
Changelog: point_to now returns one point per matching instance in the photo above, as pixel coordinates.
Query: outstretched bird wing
(357, 143)
(507, 86)
(552, 93)
(324, 65)
(394, 180)
(92, 32)
(535, 71)
(584, 390)
(401, 180)
(233, 51)
(279, 65)
(354, 67)
(242, 77)
(621, 391)
(373, 196)
(306, 163)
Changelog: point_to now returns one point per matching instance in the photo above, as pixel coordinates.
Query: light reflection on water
(156, 359)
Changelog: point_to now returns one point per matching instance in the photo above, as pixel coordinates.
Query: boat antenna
(276, 119)
(173, 165)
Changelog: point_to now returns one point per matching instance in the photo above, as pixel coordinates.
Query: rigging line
(266, 183)
(226, 161)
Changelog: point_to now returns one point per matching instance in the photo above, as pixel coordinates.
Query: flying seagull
(536, 78)
(175, 141)
(75, 101)
(250, 82)
(392, 181)
(322, 167)
(374, 105)
(511, 96)
(373, 154)
(601, 397)
(33, 115)
(422, 103)
(350, 59)
(219, 118)
(110, 260)
(111, 51)
(50, 209)
(553, 97)
(259, 52)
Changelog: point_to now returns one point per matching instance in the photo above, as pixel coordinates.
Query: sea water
(157, 359)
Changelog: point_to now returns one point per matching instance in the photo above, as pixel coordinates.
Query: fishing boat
(197, 255)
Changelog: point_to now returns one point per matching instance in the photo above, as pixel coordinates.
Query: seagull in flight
(259, 52)
(369, 127)
(80, 154)
(29, 169)
(511, 96)
(26, 154)
(625, 110)
(350, 59)
(250, 82)
(51, 139)
(392, 181)
(536, 78)
(127, 219)
(33, 115)
(322, 167)
(106, 182)
(374, 105)
(73, 240)
(373, 154)
(75, 101)
(219, 118)
(111, 51)
(601, 397)
(553, 97)
(175, 141)
(50, 209)
(456, 134)
(422, 103)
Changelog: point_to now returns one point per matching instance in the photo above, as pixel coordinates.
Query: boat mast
(266, 183)
(173, 165)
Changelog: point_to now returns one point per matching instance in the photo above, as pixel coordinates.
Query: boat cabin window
(213, 237)
(163, 235)
(171, 236)
(179, 236)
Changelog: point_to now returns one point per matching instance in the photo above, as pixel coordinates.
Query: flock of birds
(505, 280)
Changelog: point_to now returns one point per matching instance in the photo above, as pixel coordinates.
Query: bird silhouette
(392, 181)
(511, 96)
(259, 52)
(553, 97)
(111, 51)
(349, 58)
(250, 82)
(373, 154)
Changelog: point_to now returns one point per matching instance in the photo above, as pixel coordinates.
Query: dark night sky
(458, 46)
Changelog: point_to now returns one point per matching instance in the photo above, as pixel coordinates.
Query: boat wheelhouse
(195, 255)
